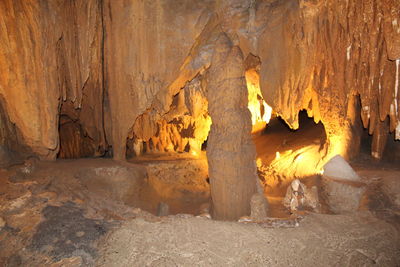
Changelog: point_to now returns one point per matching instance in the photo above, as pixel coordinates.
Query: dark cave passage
(389, 149)
(74, 142)
(284, 154)
(277, 137)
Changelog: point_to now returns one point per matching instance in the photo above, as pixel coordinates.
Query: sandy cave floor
(82, 213)
(99, 212)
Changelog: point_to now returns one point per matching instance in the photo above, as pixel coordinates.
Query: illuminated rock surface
(128, 79)
(338, 168)
(101, 68)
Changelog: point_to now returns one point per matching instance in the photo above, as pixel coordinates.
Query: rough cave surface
(105, 68)
(201, 105)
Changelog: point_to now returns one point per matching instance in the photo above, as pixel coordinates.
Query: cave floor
(85, 213)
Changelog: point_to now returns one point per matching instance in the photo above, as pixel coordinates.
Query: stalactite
(345, 45)
(314, 55)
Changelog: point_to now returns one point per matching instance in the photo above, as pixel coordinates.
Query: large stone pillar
(230, 150)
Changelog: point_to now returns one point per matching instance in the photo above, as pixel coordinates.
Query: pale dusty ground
(320, 240)
(82, 213)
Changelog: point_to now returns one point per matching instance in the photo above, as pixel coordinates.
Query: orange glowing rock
(260, 111)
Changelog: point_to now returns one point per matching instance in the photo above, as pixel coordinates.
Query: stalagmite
(230, 151)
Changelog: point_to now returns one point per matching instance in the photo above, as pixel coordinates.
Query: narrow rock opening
(12, 150)
(286, 153)
(74, 141)
(277, 138)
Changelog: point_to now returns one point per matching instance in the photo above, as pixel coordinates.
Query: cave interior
(210, 116)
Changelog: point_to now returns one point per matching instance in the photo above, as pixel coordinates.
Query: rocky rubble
(299, 197)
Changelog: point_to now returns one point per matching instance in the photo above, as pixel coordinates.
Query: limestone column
(230, 150)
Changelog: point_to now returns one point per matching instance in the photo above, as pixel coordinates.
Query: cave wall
(184, 128)
(323, 54)
(107, 64)
(50, 64)
(80, 66)
(28, 67)
(146, 42)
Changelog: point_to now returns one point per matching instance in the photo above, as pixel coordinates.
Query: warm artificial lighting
(259, 162)
(260, 111)
(296, 163)
(338, 145)
(203, 124)
(299, 157)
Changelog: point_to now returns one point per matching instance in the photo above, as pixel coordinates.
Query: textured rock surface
(322, 54)
(174, 179)
(230, 151)
(65, 232)
(143, 53)
(115, 182)
(315, 55)
(259, 207)
(28, 83)
(79, 78)
(299, 196)
(51, 55)
(319, 240)
(70, 217)
(391, 187)
(342, 196)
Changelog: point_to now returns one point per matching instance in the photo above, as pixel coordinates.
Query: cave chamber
(262, 112)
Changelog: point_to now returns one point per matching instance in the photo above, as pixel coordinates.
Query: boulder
(338, 168)
(341, 196)
(342, 188)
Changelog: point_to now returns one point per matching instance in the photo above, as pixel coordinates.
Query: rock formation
(230, 151)
(89, 77)
(143, 53)
(51, 68)
(325, 53)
